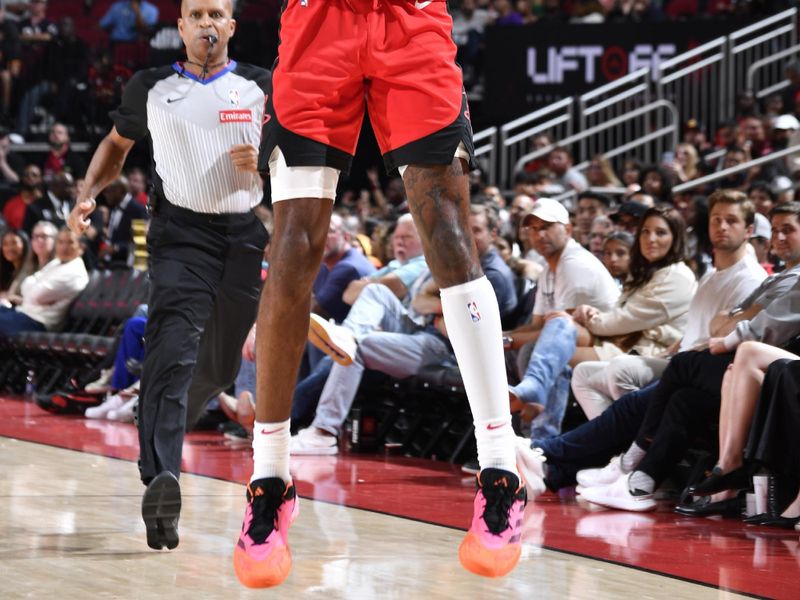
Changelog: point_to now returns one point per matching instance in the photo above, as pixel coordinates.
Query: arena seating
(109, 299)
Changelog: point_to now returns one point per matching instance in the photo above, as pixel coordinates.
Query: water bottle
(30, 386)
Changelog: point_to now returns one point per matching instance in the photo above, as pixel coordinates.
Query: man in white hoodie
(47, 294)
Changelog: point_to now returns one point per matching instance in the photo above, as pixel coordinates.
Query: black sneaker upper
(266, 496)
(501, 489)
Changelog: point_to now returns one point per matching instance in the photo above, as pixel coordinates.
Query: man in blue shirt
(341, 264)
(128, 19)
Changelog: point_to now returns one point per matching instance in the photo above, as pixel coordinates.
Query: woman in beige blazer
(652, 311)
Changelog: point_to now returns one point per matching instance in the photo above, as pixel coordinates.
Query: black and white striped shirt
(192, 124)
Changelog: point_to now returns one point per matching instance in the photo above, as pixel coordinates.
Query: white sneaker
(101, 412)
(588, 478)
(101, 384)
(310, 442)
(334, 340)
(618, 495)
(529, 463)
(125, 413)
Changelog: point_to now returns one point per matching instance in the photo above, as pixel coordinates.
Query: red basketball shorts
(393, 58)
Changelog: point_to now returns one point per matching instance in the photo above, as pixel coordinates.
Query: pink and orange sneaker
(261, 557)
(492, 546)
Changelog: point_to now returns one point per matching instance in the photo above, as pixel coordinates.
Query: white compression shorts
(313, 182)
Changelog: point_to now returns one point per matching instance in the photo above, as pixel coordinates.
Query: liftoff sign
(613, 62)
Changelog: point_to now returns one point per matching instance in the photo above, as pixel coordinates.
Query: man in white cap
(571, 277)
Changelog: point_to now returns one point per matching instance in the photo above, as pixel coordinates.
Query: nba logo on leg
(474, 314)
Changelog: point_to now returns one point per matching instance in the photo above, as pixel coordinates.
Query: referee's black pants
(205, 281)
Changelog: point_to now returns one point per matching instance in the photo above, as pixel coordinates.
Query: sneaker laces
(499, 500)
(265, 500)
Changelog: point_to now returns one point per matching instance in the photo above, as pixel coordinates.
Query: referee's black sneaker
(161, 508)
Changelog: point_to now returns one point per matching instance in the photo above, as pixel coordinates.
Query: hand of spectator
(584, 313)
(717, 345)
(249, 347)
(245, 158)
(78, 220)
(374, 177)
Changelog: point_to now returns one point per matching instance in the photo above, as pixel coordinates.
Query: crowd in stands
(648, 307)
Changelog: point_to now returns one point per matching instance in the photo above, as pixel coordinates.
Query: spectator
(650, 316)
(61, 158)
(54, 205)
(652, 312)
(469, 23)
(590, 206)
(15, 265)
(47, 294)
(36, 27)
(761, 241)
(43, 244)
(106, 80)
(64, 67)
(617, 255)
(632, 173)
(657, 182)
(11, 166)
(686, 163)
(116, 248)
(767, 419)
(687, 399)
(128, 20)
(755, 136)
(559, 162)
(601, 227)
(572, 276)
(601, 174)
(628, 216)
(699, 249)
(505, 13)
(137, 185)
(761, 195)
(640, 197)
(341, 264)
(790, 93)
(10, 63)
(30, 190)
(734, 156)
(597, 384)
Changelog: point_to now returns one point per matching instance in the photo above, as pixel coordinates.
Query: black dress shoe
(718, 481)
(703, 507)
(758, 519)
(781, 522)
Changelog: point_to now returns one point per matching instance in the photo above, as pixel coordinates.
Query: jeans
(308, 391)
(546, 379)
(595, 442)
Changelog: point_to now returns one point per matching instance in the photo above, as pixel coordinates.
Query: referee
(203, 119)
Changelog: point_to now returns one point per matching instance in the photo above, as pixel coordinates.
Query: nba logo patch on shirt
(473, 312)
(234, 97)
(244, 115)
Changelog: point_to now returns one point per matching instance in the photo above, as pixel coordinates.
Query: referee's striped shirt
(192, 124)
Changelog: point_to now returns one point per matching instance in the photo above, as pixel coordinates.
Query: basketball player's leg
(262, 557)
(309, 136)
(432, 154)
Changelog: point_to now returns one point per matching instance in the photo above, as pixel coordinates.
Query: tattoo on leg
(439, 200)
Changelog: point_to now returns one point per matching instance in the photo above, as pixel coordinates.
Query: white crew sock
(472, 317)
(271, 450)
(632, 457)
(642, 482)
